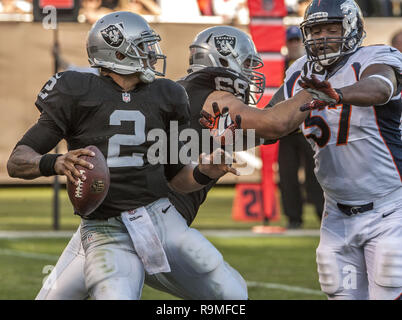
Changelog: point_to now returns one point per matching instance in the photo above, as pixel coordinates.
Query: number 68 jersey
(358, 150)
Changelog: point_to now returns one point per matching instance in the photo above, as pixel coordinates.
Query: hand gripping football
(89, 194)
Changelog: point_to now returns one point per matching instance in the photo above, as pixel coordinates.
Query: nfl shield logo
(224, 44)
(126, 97)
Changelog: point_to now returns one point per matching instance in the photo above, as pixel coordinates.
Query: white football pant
(360, 256)
(114, 271)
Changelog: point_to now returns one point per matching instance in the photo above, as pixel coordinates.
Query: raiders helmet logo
(112, 35)
(224, 44)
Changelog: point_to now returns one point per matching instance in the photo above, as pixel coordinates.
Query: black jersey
(94, 110)
(199, 85)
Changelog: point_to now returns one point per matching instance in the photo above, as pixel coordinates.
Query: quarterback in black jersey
(115, 112)
(199, 84)
(239, 81)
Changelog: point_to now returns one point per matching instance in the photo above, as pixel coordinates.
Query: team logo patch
(112, 36)
(224, 44)
(126, 97)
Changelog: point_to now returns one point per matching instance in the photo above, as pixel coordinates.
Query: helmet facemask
(256, 79)
(147, 53)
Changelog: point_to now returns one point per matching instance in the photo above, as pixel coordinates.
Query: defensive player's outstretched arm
(271, 123)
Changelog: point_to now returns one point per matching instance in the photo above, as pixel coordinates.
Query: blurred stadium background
(276, 266)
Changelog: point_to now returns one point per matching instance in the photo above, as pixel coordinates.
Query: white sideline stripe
(283, 287)
(28, 255)
(266, 285)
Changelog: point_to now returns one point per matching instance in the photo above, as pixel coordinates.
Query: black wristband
(340, 94)
(200, 177)
(46, 164)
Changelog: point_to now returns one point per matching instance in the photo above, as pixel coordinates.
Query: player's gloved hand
(216, 164)
(321, 91)
(221, 125)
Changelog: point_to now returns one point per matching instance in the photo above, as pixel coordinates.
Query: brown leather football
(89, 194)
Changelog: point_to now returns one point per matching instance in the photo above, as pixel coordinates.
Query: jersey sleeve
(176, 106)
(181, 107)
(292, 75)
(59, 96)
(43, 136)
(381, 55)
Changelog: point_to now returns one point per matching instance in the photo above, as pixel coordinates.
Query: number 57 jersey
(93, 110)
(358, 150)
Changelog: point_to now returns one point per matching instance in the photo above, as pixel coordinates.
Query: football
(89, 194)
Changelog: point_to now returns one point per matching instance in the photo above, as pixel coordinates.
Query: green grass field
(275, 267)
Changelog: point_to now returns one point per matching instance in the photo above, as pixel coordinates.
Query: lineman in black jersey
(199, 85)
(115, 112)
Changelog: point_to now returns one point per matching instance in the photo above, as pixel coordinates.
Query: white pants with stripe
(360, 256)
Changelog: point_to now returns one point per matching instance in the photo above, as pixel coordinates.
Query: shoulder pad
(379, 54)
(168, 88)
(221, 79)
(212, 72)
(295, 67)
(74, 83)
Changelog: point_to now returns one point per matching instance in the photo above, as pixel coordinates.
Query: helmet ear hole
(224, 62)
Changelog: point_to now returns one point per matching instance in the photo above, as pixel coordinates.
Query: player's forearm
(24, 163)
(284, 117)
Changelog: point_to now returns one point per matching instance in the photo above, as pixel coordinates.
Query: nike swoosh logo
(387, 214)
(165, 210)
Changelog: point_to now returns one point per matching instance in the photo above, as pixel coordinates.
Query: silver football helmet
(231, 48)
(130, 35)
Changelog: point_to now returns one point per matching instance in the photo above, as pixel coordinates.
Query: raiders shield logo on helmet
(112, 35)
(224, 44)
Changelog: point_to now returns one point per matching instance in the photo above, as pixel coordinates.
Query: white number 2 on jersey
(136, 159)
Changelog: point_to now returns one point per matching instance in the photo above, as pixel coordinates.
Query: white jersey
(358, 150)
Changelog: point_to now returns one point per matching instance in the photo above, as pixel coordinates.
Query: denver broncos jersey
(358, 150)
(199, 85)
(94, 110)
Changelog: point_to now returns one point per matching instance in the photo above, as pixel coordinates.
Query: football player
(231, 74)
(354, 128)
(122, 238)
(357, 144)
